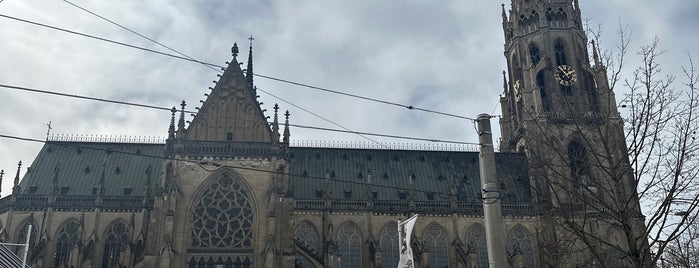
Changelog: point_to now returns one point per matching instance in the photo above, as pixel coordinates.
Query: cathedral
(228, 190)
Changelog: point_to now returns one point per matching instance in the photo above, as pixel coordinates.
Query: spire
(19, 166)
(286, 128)
(504, 15)
(171, 130)
(180, 124)
(275, 124)
(15, 188)
(248, 71)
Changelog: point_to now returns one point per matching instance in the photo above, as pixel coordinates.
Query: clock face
(565, 75)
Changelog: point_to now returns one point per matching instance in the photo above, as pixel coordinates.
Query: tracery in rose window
(222, 215)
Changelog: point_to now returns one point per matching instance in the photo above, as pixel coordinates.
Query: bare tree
(622, 185)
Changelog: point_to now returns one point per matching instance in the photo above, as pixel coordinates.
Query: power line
(409, 107)
(136, 33)
(218, 70)
(41, 91)
(211, 65)
(202, 164)
(323, 118)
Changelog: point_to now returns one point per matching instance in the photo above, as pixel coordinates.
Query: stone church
(228, 190)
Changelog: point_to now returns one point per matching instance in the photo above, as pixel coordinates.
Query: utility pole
(494, 231)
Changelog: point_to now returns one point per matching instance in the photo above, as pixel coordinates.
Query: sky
(440, 55)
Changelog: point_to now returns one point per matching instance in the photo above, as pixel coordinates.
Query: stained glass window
(577, 155)
(436, 244)
(560, 51)
(66, 240)
(222, 216)
(22, 236)
(115, 242)
(389, 245)
(349, 246)
(476, 244)
(519, 247)
(534, 54)
(306, 235)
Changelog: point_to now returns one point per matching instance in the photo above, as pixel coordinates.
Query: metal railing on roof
(386, 145)
(106, 138)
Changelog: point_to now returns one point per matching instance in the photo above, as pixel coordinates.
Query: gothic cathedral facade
(228, 189)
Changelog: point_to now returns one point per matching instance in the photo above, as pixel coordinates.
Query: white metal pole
(26, 246)
(494, 233)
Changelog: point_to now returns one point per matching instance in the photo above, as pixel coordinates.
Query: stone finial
(19, 166)
(180, 124)
(234, 50)
(504, 14)
(286, 128)
(171, 130)
(248, 71)
(504, 81)
(275, 124)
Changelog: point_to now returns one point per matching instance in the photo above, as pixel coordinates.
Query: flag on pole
(405, 229)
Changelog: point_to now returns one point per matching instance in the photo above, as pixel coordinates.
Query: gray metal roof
(348, 171)
(80, 168)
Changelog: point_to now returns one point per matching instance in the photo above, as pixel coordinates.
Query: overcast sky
(440, 55)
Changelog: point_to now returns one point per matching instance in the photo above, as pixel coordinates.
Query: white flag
(405, 230)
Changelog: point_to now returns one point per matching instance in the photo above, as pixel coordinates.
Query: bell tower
(558, 108)
(549, 75)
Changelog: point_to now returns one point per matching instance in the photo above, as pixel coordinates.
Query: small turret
(171, 130)
(286, 128)
(180, 124)
(275, 124)
(248, 71)
(15, 189)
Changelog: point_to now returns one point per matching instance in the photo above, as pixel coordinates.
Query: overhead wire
(42, 91)
(211, 65)
(218, 166)
(218, 70)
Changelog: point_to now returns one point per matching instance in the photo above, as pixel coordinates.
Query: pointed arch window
(66, 244)
(116, 243)
(436, 244)
(389, 245)
(541, 83)
(476, 244)
(22, 236)
(560, 51)
(223, 216)
(534, 54)
(519, 247)
(349, 246)
(306, 236)
(579, 166)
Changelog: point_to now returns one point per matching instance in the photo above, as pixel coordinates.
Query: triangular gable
(230, 112)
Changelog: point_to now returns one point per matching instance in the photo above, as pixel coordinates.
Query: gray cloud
(445, 56)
